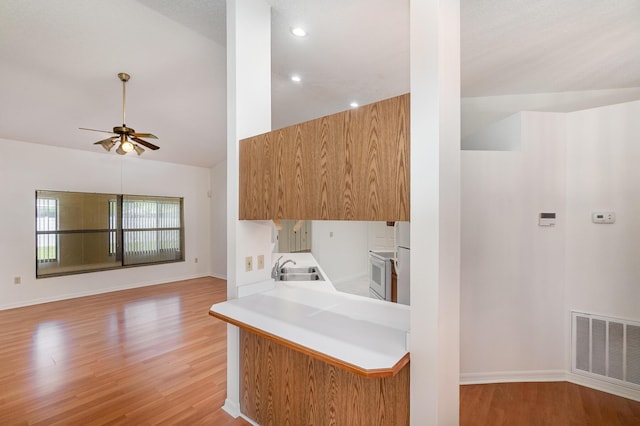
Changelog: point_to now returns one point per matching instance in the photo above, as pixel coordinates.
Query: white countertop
(366, 333)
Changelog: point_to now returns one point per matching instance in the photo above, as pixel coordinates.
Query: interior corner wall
(219, 220)
(27, 167)
(512, 270)
(520, 281)
(603, 153)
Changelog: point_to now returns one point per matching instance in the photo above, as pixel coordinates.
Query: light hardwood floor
(544, 404)
(153, 355)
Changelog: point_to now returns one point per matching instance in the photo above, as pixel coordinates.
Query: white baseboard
(549, 376)
(603, 386)
(513, 376)
(94, 292)
(219, 276)
(232, 408)
(251, 422)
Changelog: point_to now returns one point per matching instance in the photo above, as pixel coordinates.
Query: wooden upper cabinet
(353, 165)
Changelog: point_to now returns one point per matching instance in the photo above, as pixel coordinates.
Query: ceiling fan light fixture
(120, 151)
(138, 149)
(126, 146)
(107, 144)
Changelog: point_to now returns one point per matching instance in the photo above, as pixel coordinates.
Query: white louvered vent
(606, 348)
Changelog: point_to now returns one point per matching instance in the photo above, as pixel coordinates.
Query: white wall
(26, 167)
(503, 135)
(520, 281)
(248, 113)
(344, 255)
(480, 112)
(219, 220)
(512, 270)
(435, 211)
(603, 174)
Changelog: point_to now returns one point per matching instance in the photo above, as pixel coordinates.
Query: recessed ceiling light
(296, 78)
(298, 31)
(354, 104)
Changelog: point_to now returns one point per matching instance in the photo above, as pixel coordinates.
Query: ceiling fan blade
(95, 130)
(144, 135)
(145, 143)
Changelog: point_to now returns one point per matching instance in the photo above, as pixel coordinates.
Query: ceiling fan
(123, 133)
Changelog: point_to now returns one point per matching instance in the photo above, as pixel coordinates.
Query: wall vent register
(606, 348)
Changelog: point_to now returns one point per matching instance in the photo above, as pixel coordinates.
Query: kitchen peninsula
(312, 355)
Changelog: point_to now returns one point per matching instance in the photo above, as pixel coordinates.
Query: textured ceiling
(515, 47)
(59, 60)
(207, 17)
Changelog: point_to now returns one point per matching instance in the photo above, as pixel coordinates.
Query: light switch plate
(248, 263)
(261, 261)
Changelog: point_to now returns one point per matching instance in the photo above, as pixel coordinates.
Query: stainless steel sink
(315, 276)
(300, 270)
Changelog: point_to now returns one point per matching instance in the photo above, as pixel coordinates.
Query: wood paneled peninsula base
(316, 357)
(282, 386)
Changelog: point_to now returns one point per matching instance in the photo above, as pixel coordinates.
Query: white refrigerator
(403, 261)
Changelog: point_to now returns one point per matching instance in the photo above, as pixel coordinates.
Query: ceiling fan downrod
(124, 77)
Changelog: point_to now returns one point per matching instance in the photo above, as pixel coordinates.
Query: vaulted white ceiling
(59, 60)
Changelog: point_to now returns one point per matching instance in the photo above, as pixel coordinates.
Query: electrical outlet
(17, 280)
(261, 261)
(248, 263)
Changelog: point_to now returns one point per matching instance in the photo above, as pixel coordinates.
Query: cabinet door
(353, 165)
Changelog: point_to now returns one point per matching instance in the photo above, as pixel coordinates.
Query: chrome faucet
(275, 272)
(287, 261)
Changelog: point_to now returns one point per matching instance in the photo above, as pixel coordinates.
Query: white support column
(248, 113)
(435, 211)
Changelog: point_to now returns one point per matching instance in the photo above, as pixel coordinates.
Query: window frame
(115, 230)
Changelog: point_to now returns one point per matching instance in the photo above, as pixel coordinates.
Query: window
(151, 229)
(84, 232)
(46, 225)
